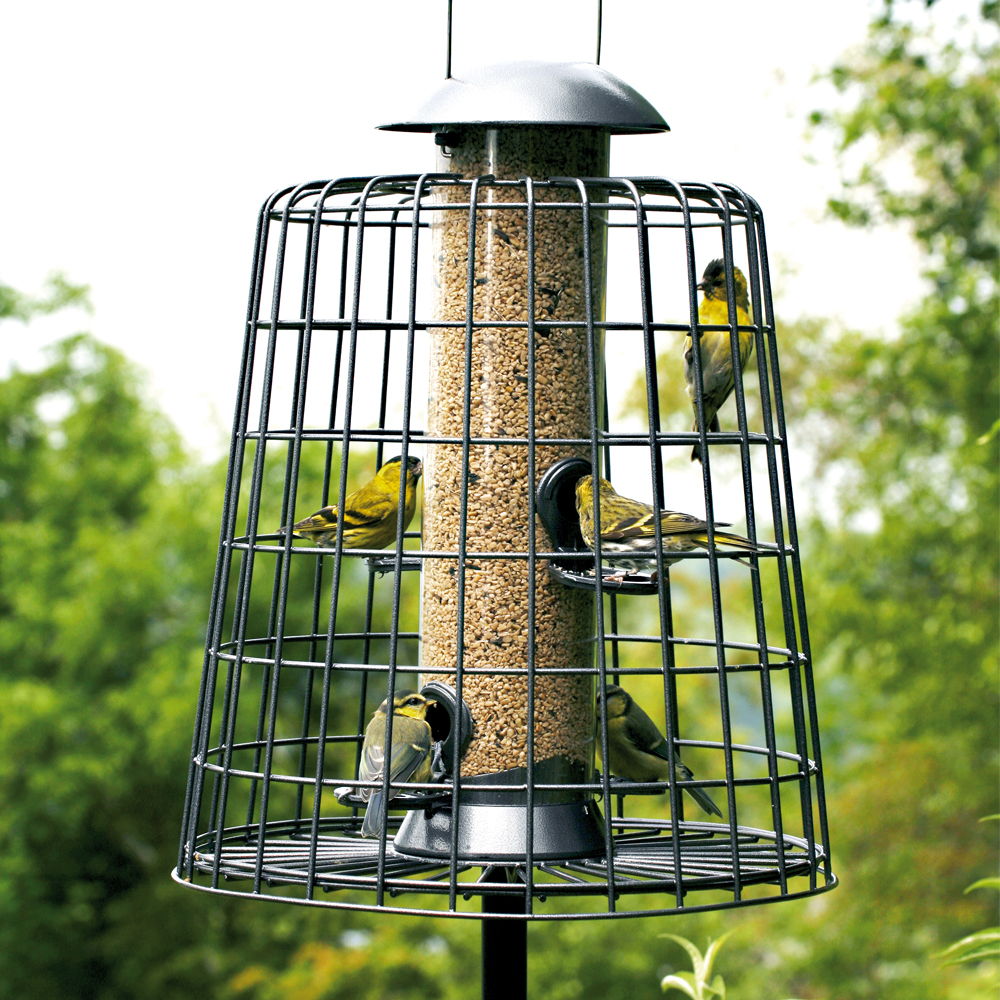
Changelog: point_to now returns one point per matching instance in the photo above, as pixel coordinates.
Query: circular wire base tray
(644, 862)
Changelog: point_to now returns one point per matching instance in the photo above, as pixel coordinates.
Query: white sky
(141, 140)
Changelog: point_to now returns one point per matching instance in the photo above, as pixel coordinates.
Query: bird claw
(343, 794)
(620, 576)
(613, 779)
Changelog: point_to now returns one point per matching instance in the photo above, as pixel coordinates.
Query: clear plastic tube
(497, 590)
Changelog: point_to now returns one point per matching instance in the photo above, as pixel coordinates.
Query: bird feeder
(492, 270)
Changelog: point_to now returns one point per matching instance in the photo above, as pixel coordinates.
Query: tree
(98, 557)
(60, 295)
(903, 581)
(911, 420)
(108, 541)
(902, 576)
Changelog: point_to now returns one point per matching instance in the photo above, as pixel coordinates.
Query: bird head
(713, 283)
(409, 703)
(390, 469)
(585, 492)
(619, 701)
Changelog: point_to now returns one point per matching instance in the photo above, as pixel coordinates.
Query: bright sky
(141, 140)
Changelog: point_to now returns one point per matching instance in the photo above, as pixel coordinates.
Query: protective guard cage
(290, 678)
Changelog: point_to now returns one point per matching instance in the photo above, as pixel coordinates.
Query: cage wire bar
(272, 808)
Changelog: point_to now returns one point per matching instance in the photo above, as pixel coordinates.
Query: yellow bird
(370, 514)
(718, 380)
(628, 528)
(411, 753)
(637, 749)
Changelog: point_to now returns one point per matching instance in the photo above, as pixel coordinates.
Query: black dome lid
(536, 93)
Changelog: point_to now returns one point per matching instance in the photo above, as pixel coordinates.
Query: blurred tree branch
(59, 294)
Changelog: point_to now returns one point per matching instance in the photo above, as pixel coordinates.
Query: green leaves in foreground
(974, 948)
(695, 984)
(983, 944)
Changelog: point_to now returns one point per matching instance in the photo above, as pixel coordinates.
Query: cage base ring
(644, 862)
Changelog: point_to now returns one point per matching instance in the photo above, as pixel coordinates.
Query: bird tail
(725, 538)
(375, 815)
(705, 801)
(713, 425)
(734, 541)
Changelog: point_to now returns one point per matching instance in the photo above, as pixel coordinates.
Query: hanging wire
(597, 60)
(447, 68)
(597, 57)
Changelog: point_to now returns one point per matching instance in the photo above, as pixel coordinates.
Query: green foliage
(101, 568)
(903, 581)
(696, 984)
(902, 570)
(908, 422)
(983, 944)
(975, 947)
(108, 544)
(403, 959)
(59, 295)
(936, 104)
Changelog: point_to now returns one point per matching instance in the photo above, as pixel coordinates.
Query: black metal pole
(505, 949)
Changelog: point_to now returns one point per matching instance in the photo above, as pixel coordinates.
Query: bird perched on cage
(637, 750)
(717, 377)
(628, 529)
(370, 514)
(411, 758)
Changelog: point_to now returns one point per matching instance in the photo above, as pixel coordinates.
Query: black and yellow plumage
(411, 753)
(717, 376)
(370, 514)
(637, 750)
(628, 528)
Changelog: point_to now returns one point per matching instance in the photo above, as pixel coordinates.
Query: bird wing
(368, 511)
(321, 520)
(641, 731)
(411, 744)
(626, 527)
(683, 771)
(374, 503)
(671, 523)
(686, 774)
(361, 511)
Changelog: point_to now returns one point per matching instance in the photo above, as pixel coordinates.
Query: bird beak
(700, 286)
(418, 469)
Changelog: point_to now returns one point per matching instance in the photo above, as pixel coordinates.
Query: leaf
(985, 439)
(718, 986)
(678, 983)
(982, 944)
(985, 883)
(697, 961)
(711, 953)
